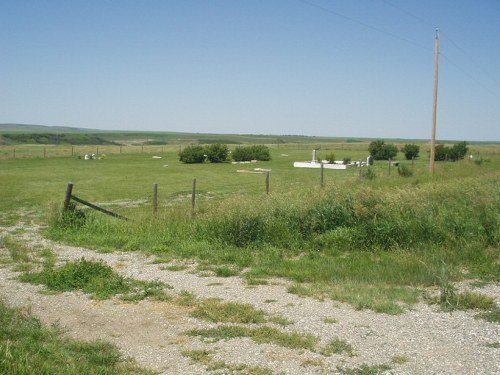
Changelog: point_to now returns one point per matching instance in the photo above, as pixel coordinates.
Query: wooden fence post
(67, 199)
(267, 182)
(155, 199)
(193, 194)
(322, 175)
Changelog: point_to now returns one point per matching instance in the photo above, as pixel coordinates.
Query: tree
(192, 154)
(411, 151)
(382, 151)
(216, 153)
(456, 152)
(256, 152)
(441, 152)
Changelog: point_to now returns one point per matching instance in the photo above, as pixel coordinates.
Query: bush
(454, 153)
(330, 158)
(216, 153)
(410, 151)
(382, 151)
(248, 153)
(192, 154)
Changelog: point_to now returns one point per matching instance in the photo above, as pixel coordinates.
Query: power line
(471, 59)
(446, 37)
(422, 20)
(364, 24)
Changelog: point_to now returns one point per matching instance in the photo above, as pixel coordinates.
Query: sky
(336, 68)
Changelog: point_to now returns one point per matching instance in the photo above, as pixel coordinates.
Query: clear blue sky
(347, 68)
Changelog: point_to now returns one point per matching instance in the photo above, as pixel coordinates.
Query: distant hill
(26, 128)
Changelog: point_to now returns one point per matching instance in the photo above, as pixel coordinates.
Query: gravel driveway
(421, 341)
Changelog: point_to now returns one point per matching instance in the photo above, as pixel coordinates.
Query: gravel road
(421, 341)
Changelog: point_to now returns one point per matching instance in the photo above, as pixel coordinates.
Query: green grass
(97, 279)
(205, 357)
(216, 311)
(365, 370)
(391, 234)
(29, 348)
(260, 335)
(368, 246)
(492, 315)
(337, 346)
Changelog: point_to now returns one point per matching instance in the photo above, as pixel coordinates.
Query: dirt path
(421, 341)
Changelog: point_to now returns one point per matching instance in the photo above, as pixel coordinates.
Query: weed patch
(260, 335)
(29, 348)
(205, 357)
(365, 370)
(97, 279)
(337, 346)
(490, 316)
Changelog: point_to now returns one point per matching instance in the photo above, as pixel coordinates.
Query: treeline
(52, 138)
(385, 151)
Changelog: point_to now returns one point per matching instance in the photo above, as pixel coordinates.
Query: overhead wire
(456, 45)
(406, 40)
(366, 25)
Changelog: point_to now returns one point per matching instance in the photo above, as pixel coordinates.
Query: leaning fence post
(155, 199)
(267, 182)
(193, 194)
(67, 199)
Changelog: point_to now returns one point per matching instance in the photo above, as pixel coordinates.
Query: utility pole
(434, 112)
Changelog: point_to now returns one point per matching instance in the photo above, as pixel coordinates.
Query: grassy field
(372, 242)
(368, 237)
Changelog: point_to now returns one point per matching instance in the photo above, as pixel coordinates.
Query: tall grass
(384, 239)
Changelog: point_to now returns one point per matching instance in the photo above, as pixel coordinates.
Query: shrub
(456, 152)
(382, 151)
(247, 153)
(330, 158)
(216, 153)
(192, 154)
(410, 151)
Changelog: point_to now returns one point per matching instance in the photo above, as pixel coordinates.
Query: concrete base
(312, 164)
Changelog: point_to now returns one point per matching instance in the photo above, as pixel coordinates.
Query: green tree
(458, 151)
(455, 152)
(382, 151)
(410, 151)
(247, 153)
(217, 153)
(192, 154)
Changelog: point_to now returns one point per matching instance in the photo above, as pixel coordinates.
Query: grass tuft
(260, 335)
(95, 278)
(29, 348)
(337, 346)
